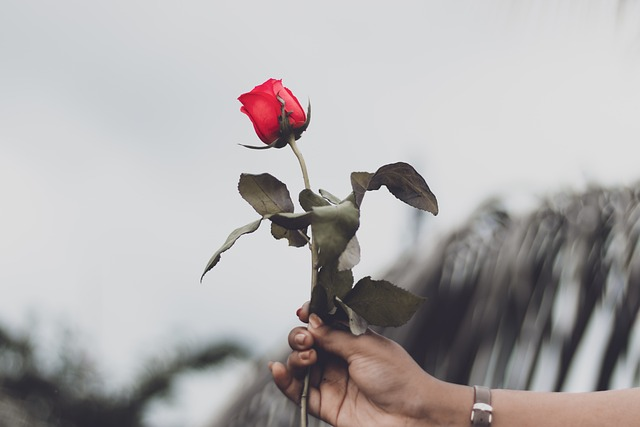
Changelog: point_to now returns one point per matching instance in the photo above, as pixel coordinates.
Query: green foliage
(360, 184)
(296, 238)
(309, 200)
(266, 194)
(402, 180)
(335, 284)
(332, 228)
(350, 257)
(330, 197)
(382, 303)
(292, 221)
(235, 235)
(334, 224)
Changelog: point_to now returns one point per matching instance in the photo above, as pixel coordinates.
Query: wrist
(445, 405)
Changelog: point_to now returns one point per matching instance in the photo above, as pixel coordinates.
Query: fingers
(299, 361)
(292, 387)
(285, 381)
(303, 355)
(342, 343)
(289, 377)
(300, 339)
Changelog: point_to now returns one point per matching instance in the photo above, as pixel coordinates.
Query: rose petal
(263, 110)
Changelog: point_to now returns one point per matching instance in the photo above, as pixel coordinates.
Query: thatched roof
(545, 301)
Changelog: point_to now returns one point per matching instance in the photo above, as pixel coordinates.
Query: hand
(365, 380)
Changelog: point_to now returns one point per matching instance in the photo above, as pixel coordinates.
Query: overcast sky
(119, 125)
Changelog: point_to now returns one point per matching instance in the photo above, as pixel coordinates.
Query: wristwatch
(482, 411)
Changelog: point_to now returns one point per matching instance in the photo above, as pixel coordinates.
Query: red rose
(264, 109)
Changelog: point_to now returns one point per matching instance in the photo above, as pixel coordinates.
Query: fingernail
(299, 339)
(315, 321)
(298, 311)
(304, 355)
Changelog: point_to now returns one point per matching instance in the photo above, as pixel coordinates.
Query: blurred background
(119, 160)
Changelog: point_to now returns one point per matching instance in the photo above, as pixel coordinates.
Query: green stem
(303, 165)
(304, 396)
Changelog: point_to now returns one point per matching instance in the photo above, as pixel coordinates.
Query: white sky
(119, 160)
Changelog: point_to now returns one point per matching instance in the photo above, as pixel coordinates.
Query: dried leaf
(382, 303)
(357, 323)
(265, 193)
(235, 235)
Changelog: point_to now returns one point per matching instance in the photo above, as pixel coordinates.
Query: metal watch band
(482, 411)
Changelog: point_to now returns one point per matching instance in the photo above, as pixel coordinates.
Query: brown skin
(369, 380)
(354, 382)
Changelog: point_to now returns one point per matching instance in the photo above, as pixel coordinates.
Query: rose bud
(266, 104)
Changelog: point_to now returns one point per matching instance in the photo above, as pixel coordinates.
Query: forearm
(450, 405)
(534, 409)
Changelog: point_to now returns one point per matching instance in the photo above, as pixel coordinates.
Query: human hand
(365, 380)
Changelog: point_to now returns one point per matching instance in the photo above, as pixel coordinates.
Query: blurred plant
(279, 121)
(69, 395)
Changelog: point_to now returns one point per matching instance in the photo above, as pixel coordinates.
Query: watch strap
(482, 411)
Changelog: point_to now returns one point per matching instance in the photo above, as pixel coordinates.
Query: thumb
(341, 343)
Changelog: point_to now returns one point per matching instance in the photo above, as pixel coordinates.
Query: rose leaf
(334, 282)
(308, 200)
(330, 197)
(382, 303)
(296, 238)
(404, 182)
(292, 221)
(265, 193)
(350, 257)
(319, 303)
(360, 184)
(332, 228)
(235, 235)
(351, 198)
